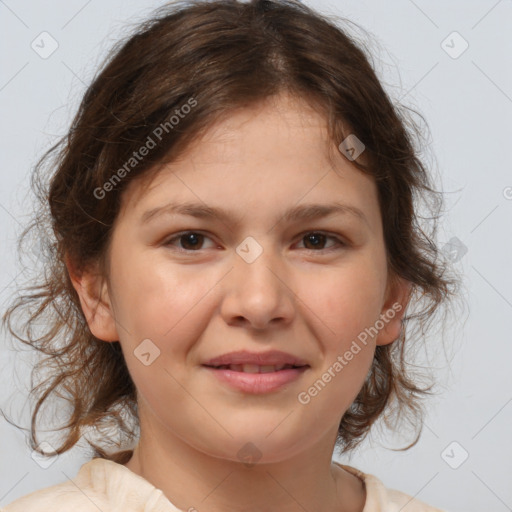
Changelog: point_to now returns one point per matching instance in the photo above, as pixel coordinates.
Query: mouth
(256, 372)
(255, 368)
(253, 377)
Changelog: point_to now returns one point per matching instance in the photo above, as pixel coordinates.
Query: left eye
(191, 241)
(317, 239)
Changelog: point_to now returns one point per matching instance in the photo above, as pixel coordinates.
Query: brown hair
(219, 56)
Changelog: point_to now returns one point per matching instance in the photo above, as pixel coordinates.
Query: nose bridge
(256, 290)
(257, 265)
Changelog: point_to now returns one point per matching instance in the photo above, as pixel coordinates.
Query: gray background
(466, 99)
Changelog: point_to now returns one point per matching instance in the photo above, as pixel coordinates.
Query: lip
(271, 357)
(257, 383)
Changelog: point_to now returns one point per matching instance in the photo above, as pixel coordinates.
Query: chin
(256, 446)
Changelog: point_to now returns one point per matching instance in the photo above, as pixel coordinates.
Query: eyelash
(340, 244)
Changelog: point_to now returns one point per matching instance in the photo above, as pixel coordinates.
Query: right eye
(190, 240)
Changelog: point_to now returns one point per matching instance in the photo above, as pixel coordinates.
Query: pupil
(315, 236)
(191, 237)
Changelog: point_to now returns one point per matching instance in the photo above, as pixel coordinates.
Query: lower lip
(257, 383)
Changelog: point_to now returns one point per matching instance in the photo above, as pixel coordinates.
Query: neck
(195, 481)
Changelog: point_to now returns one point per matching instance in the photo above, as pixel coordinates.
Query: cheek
(347, 343)
(157, 301)
(345, 303)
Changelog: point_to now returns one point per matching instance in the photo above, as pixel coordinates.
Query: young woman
(235, 247)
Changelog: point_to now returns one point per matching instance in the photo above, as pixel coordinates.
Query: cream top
(103, 485)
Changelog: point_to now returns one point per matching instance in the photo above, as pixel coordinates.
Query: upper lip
(270, 358)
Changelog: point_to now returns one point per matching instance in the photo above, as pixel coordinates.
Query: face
(186, 288)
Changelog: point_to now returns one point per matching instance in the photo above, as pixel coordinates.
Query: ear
(95, 301)
(398, 292)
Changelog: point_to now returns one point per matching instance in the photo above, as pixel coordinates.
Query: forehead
(258, 157)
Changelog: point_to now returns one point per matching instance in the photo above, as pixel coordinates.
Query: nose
(258, 295)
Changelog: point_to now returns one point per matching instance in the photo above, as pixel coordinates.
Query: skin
(256, 163)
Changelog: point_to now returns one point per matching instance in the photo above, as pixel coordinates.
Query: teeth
(254, 368)
(250, 368)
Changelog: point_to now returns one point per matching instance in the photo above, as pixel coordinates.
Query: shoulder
(381, 499)
(77, 494)
(57, 498)
(99, 485)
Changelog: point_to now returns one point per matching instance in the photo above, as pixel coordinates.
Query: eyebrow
(305, 212)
